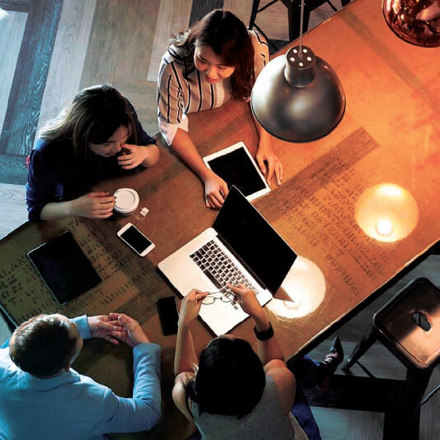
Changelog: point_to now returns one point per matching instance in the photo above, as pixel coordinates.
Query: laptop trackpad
(199, 283)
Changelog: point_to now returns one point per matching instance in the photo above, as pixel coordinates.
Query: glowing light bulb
(386, 212)
(384, 227)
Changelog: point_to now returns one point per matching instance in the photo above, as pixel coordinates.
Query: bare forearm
(152, 155)
(267, 160)
(184, 148)
(56, 210)
(185, 358)
(263, 136)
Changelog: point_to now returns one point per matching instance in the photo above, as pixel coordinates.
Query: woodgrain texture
(274, 20)
(27, 89)
(369, 60)
(349, 425)
(11, 34)
(120, 42)
(173, 17)
(201, 7)
(67, 62)
(119, 53)
(12, 207)
(142, 94)
(15, 5)
(12, 170)
(241, 9)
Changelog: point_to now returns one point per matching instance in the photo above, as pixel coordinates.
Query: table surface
(390, 133)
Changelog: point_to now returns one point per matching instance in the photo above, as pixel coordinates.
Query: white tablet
(236, 166)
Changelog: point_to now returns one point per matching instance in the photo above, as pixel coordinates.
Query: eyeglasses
(225, 296)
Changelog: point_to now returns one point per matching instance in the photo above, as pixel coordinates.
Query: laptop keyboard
(219, 268)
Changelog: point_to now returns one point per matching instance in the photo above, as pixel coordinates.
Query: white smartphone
(135, 239)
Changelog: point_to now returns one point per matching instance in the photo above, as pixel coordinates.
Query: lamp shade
(414, 21)
(298, 97)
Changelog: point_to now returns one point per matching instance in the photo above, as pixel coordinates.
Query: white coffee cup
(126, 200)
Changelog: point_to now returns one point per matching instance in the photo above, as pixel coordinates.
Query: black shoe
(327, 367)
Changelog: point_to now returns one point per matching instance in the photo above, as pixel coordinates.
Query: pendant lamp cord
(301, 29)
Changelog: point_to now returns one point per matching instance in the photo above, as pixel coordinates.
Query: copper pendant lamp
(298, 97)
(414, 21)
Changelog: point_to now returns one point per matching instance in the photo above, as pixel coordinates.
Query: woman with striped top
(213, 61)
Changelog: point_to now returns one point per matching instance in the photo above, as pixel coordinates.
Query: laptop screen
(254, 240)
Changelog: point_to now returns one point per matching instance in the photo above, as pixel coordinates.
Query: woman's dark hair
(228, 37)
(93, 116)
(43, 345)
(230, 379)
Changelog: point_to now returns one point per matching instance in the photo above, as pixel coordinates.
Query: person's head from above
(222, 48)
(98, 120)
(45, 345)
(230, 378)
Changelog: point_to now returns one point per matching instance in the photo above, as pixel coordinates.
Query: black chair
(294, 15)
(409, 327)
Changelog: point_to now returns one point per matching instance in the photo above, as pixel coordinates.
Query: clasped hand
(116, 327)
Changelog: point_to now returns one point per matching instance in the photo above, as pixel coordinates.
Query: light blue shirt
(71, 406)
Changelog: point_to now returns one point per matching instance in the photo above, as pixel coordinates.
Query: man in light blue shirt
(42, 397)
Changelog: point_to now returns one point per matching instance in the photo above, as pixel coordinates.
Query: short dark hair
(228, 37)
(43, 345)
(93, 116)
(230, 379)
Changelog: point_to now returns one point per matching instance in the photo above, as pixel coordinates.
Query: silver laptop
(241, 247)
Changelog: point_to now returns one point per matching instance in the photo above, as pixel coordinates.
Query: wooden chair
(293, 11)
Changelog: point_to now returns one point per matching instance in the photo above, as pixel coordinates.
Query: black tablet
(237, 167)
(64, 268)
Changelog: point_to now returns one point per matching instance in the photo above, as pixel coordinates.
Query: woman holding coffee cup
(96, 137)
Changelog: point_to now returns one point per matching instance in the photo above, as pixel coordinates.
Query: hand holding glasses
(239, 294)
(225, 296)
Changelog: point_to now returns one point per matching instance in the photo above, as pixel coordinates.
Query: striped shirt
(177, 96)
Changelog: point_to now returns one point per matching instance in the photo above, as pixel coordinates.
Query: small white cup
(126, 201)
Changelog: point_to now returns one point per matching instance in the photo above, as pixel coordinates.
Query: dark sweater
(57, 174)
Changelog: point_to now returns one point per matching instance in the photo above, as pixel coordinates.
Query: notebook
(243, 247)
(236, 166)
(64, 268)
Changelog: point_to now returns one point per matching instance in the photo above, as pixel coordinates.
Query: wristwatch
(265, 334)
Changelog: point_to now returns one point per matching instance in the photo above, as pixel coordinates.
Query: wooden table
(390, 133)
